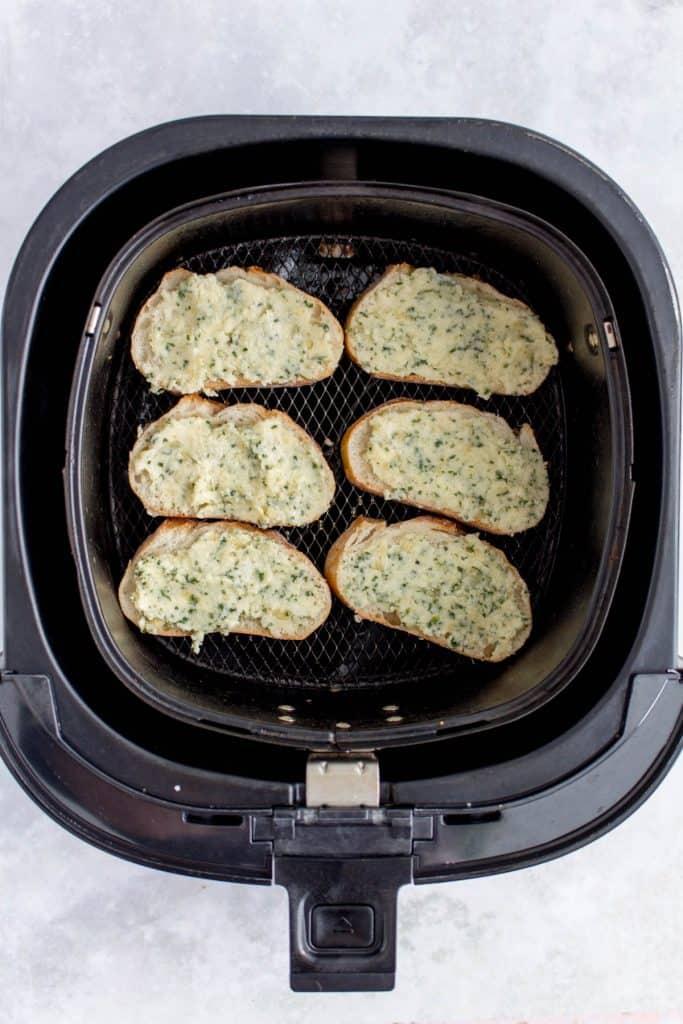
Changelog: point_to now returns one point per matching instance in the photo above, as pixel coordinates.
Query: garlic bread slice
(206, 460)
(192, 579)
(235, 328)
(426, 577)
(452, 459)
(416, 324)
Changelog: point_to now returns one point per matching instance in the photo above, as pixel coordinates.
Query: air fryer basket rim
(303, 734)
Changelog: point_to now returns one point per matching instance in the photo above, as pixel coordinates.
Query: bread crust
(360, 474)
(363, 528)
(246, 413)
(173, 278)
(174, 533)
(471, 283)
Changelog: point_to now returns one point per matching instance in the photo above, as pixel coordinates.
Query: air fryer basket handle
(342, 921)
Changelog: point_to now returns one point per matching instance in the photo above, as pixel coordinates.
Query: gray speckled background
(85, 937)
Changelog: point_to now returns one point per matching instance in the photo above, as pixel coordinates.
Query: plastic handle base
(342, 921)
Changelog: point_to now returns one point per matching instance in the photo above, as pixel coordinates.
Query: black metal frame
(598, 758)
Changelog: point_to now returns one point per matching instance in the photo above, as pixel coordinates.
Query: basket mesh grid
(344, 652)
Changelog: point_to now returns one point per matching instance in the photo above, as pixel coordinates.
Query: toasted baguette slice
(236, 328)
(210, 461)
(191, 579)
(426, 577)
(452, 459)
(419, 325)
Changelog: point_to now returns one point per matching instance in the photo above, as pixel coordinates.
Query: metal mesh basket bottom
(344, 652)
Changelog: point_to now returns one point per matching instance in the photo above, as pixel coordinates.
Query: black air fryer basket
(360, 759)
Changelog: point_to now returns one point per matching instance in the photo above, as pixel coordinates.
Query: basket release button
(342, 926)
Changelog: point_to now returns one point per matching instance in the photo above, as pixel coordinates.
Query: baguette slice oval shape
(192, 579)
(206, 460)
(452, 459)
(426, 577)
(235, 328)
(417, 324)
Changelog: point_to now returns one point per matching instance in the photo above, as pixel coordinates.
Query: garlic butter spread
(441, 328)
(453, 588)
(220, 581)
(206, 330)
(264, 472)
(461, 462)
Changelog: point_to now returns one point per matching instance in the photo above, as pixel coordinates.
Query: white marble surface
(85, 937)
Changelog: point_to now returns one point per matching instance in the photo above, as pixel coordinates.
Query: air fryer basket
(356, 681)
(145, 779)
